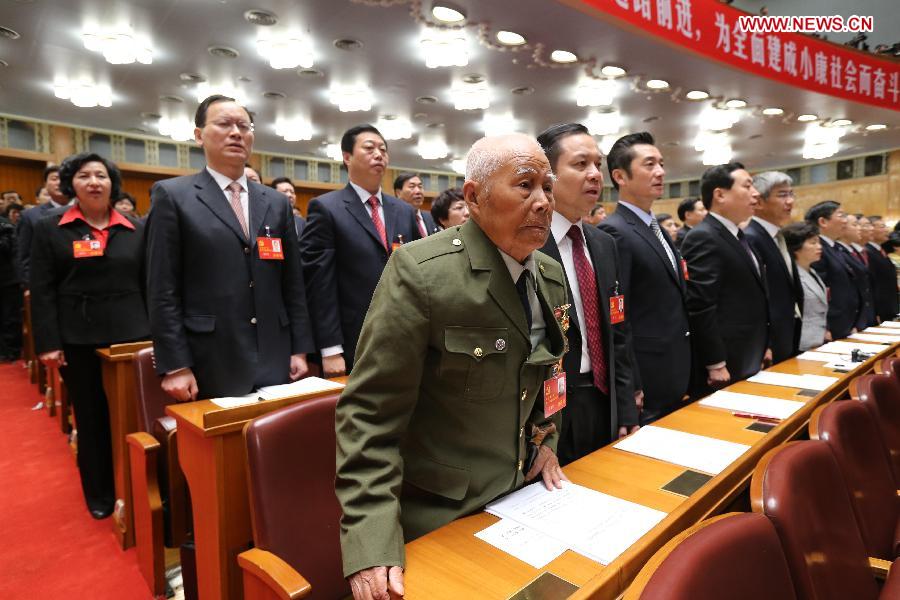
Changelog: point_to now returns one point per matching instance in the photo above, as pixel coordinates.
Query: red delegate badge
(684, 270)
(87, 248)
(616, 309)
(270, 248)
(555, 394)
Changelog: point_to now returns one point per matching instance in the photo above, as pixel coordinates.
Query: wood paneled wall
(23, 176)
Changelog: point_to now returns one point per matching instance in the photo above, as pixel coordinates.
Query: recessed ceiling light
(510, 38)
(274, 95)
(171, 98)
(773, 112)
(446, 14)
(151, 116)
(563, 56)
(876, 127)
(348, 44)
(473, 78)
(3, 63)
(223, 52)
(651, 119)
(10, 34)
(736, 103)
(612, 71)
(657, 84)
(755, 136)
(842, 122)
(807, 118)
(522, 90)
(264, 18)
(191, 77)
(426, 100)
(310, 73)
(697, 95)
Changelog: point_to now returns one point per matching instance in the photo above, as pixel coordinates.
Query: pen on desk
(759, 418)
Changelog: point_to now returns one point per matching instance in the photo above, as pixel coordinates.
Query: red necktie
(376, 220)
(235, 188)
(587, 286)
(864, 256)
(421, 223)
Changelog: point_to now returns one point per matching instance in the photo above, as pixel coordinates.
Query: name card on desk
(688, 450)
(757, 406)
(804, 382)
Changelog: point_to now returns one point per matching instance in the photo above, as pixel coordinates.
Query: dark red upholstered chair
(162, 515)
(295, 513)
(736, 556)
(881, 395)
(799, 487)
(852, 435)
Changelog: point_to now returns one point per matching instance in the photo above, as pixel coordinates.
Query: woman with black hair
(87, 293)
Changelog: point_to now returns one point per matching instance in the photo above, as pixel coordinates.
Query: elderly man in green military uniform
(445, 405)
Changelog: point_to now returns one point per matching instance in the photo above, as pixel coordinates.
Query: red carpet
(50, 547)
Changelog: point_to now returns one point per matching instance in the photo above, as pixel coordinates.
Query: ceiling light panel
(394, 128)
(287, 51)
(510, 38)
(351, 98)
(83, 93)
(444, 47)
(595, 92)
(118, 45)
(471, 96)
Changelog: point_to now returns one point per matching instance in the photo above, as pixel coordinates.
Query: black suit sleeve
(43, 285)
(318, 253)
(25, 232)
(292, 287)
(701, 252)
(164, 284)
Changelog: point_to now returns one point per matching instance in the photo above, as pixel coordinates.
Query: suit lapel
(736, 245)
(355, 207)
(209, 193)
(598, 260)
(773, 248)
(644, 231)
(553, 331)
(390, 219)
(258, 209)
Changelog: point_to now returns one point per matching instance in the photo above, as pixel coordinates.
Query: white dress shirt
(223, 182)
(559, 227)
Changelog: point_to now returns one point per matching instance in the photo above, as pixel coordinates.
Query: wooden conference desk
(211, 451)
(452, 563)
(118, 382)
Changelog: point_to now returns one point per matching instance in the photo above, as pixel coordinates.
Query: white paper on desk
(592, 523)
(233, 401)
(823, 356)
(882, 330)
(686, 449)
(845, 347)
(891, 324)
(527, 544)
(298, 388)
(760, 406)
(875, 339)
(804, 382)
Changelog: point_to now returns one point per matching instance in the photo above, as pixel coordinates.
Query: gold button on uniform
(541, 267)
(456, 242)
(524, 394)
(478, 352)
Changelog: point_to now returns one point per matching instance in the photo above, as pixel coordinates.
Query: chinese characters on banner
(711, 29)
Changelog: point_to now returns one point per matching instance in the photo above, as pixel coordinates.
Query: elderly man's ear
(470, 193)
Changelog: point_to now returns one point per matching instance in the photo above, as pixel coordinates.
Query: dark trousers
(586, 420)
(10, 321)
(84, 383)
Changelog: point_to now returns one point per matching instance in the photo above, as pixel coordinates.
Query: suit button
(251, 284)
(519, 468)
(524, 394)
(246, 250)
(253, 320)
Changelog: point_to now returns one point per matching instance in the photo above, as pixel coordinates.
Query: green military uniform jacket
(434, 421)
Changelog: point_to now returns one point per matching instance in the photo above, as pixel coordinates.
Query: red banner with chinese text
(711, 29)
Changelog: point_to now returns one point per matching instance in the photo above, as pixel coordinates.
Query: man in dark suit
(349, 235)
(726, 287)
(408, 187)
(844, 305)
(691, 213)
(884, 274)
(651, 277)
(30, 217)
(848, 244)
(10, 295)
(773, 211)
(600, 404)
(224, 284)
(286, 187)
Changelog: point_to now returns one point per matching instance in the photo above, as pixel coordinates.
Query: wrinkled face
(124, 206)
(579, 179)
(776, 209)
(880, 231)
(671, 226)
(413, 192)
(810, 251)
(92, 184)
(369, 158)
(227, 135)
(516, 207)
(739, 201)
(647, 174)
(288, 190)
(457, 214)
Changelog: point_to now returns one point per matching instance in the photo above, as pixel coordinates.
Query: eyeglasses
(785, 194)
(227, 125)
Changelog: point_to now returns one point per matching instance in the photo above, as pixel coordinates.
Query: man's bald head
(488, 154)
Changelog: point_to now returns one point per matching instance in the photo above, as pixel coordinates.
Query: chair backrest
(291, 471)
(151, 398)
(736, 556)
(881, 395)
(889, 366)
(799, 487)
(852, 435)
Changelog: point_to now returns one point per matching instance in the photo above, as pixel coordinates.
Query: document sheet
(591, 523)
(233, 401)
(876, 339)
(807, 382)
(882, 330)
(823, 356)
(891, 324)
(761, 406)
(298, 388)
(689, 450)
(527, 544)
(845, 347)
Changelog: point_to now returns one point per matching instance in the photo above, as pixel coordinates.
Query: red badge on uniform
(684, 270)
(616, 309)
(87, 248)
(555, 394)
(270, 248)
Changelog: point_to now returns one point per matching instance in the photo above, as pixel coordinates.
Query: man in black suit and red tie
(726, 287)
(844, 301)
(224, 285)
(652, 277)
(600, 405)
(348, 238)
(884, 274)
(408, 187)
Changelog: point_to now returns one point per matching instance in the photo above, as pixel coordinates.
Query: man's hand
(55, 358)
(828, 336)
(334, 366)
(181, 385)
(624, 430)
(299, 368)
(767, 359)
(639, 400)
(547, 465)
(377, 583)
(718, 377)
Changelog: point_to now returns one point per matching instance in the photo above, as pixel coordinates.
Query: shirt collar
(858, 247)
(560, 226)
(845, 245)
(874, 245)
(642, 214)
(515, 267)
(770, 228)
(827, 239)
(223, 182)
(115, 217)
(727, 223)
(365, 195)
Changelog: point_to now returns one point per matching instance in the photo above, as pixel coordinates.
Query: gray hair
(764, 182)
(483, 161)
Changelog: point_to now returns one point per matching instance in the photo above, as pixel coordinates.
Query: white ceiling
(390, 62)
